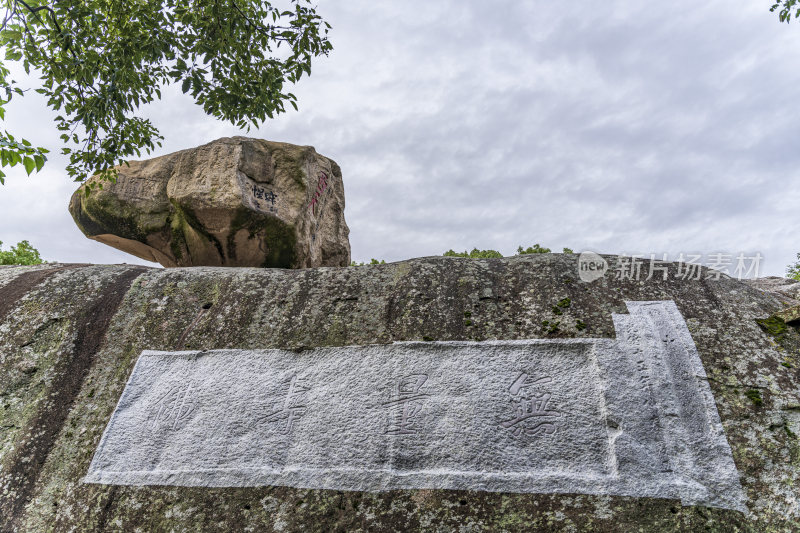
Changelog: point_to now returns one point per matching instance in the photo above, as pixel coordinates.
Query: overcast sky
(619, 127)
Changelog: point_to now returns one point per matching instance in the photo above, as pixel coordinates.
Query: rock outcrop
(232, 202)
(71, 334)
(787, 290)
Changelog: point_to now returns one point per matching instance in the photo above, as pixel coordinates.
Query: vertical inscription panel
(567, 415)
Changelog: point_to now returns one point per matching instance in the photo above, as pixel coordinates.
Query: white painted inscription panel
(627, 416)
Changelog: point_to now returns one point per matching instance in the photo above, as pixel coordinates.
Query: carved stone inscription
(532, 410)
(289, 408)
(265, 199)
(173, 407)
(319, 193)
(595, 416)
(407, 404)
(317, 203)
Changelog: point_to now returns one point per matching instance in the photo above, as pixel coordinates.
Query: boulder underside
(70, 335)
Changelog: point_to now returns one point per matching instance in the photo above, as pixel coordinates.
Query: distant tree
(21, 254)
(793, 271)
(371, 262)
(483, 254)
(785, 8)
(100, 60)
(474, 254)
(535, 249)
(480, 254)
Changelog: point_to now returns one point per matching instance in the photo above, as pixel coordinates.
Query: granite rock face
(233, 202)
(787, 290)
(71, 334)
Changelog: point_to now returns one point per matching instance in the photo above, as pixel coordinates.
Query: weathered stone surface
(790, 314)
(232, 202)
(788, 290)
(631, 416)
(751, 368)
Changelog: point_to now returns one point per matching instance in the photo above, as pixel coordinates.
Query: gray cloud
(621, 127)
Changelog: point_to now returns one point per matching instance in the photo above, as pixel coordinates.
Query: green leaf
(29, 163)
(11, 35)
(110, 58)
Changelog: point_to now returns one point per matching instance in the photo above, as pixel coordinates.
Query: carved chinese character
(173, 407)
(322, 182)
(322, 185)
(292, 408)
(407, 404)
(533, 413)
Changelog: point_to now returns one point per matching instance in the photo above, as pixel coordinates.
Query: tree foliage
(487, 254)
(785, 9)
(474, 254)
(101, 60)
(13, 151)
(535, 249)
(21, 254)
(793, 271)
(482, 254)
(372, 261)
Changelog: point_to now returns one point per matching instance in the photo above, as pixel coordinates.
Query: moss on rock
(418, 299)
(234, 202)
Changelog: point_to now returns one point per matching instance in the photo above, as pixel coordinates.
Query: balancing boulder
(233, 202)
